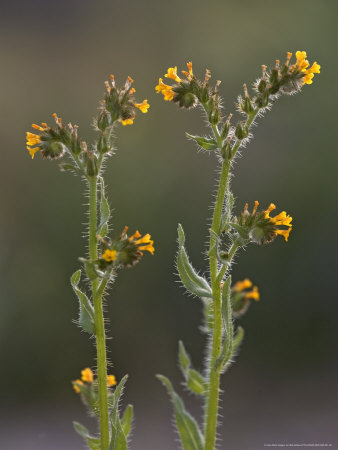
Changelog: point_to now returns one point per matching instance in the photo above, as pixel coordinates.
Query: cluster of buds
(124, 251)
(52, 143)
(119, 105)
(87, 386)
(259, 227)
(242, 293)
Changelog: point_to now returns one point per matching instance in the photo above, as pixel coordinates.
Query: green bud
(53, 150)
(262, 86)
(76, 146)
(102, 145)
(214, 117)
(274, 76)
(92, 170)
(226, 151)
(241, 131)
(187, 100)
(204, 95)
(225, 130)
(104, 120)
(247, 106)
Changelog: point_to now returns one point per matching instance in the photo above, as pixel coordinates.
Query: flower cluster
(241, 294)
(302, 65)
(260, 227)
(87, 380)
(52, 143)
(125, 251)
(119, 104)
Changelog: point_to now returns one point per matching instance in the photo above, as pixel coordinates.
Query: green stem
(99, 320)
(215, 348)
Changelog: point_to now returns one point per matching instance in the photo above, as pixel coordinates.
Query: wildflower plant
(229, 232)
(99, 391)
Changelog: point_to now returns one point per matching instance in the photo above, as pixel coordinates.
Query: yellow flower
(254, 294)
(76, 388)
(241, 285)
(87, 375)
(302, 65)
(280, 219)
(172, 73)
(111, 380)
(148, 244)
(144, 106)
(32, 138)
(32, 151)
(165, 90)
(109, 255)
(127, 121)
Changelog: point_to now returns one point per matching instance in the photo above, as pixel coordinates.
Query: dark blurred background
(55, 57)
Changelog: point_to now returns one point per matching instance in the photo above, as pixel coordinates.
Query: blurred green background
(54, 58)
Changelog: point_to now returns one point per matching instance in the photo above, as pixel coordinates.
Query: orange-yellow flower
(144, 106)
(109, 255)
(166, 90)
(172, 73)
(280, 219)
(241, 285)
(148, 244)
(87, 375)
(75, 387)
(111, 380)
(127, 121)
(302, 65)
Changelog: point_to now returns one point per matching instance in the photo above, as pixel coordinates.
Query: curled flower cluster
(260, 227)
(241, 294)
(125, 251)
(87, 378)
(302, 65)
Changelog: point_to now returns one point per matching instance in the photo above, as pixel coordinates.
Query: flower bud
(226, 151)
(261, 86)
(53, 150)
(104, 120)
(102, 145)
(241, 131)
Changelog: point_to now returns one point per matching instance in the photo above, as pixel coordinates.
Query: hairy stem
(215, 348)
(99, 320)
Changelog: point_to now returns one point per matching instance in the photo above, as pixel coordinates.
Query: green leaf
(104, 211)
(194, 283)
(196, 383)
(90, 270)
(82, 430)
(238, 339)
(227, 350)
(94, 443)
(127, 420)
(190, 433)
(206, 143)
(86, 316)
(70, 168)
(116, 398)
(118, 440)
(184, 358)
(242, 231)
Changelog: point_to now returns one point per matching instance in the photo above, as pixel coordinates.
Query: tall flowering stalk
(229, 232)
(99, 391)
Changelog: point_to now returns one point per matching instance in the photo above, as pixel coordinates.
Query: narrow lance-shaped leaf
(193, 282)
(86, 316)
(118, 440)
(205, 143)
(104, 211)
(190, 434)
(127, 420)
(227, 350)
(194, 380)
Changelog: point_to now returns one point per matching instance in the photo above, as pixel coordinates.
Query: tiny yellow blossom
(32, 151)
(254, 294)
(172, 73)
(109, 255)
(241, 285)
(87, 375)
(280, 219)
(76, 388)
(302, 65)
(111, 380)
(144, 106)
(148, 244)
(127, 121)
(166, 90)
